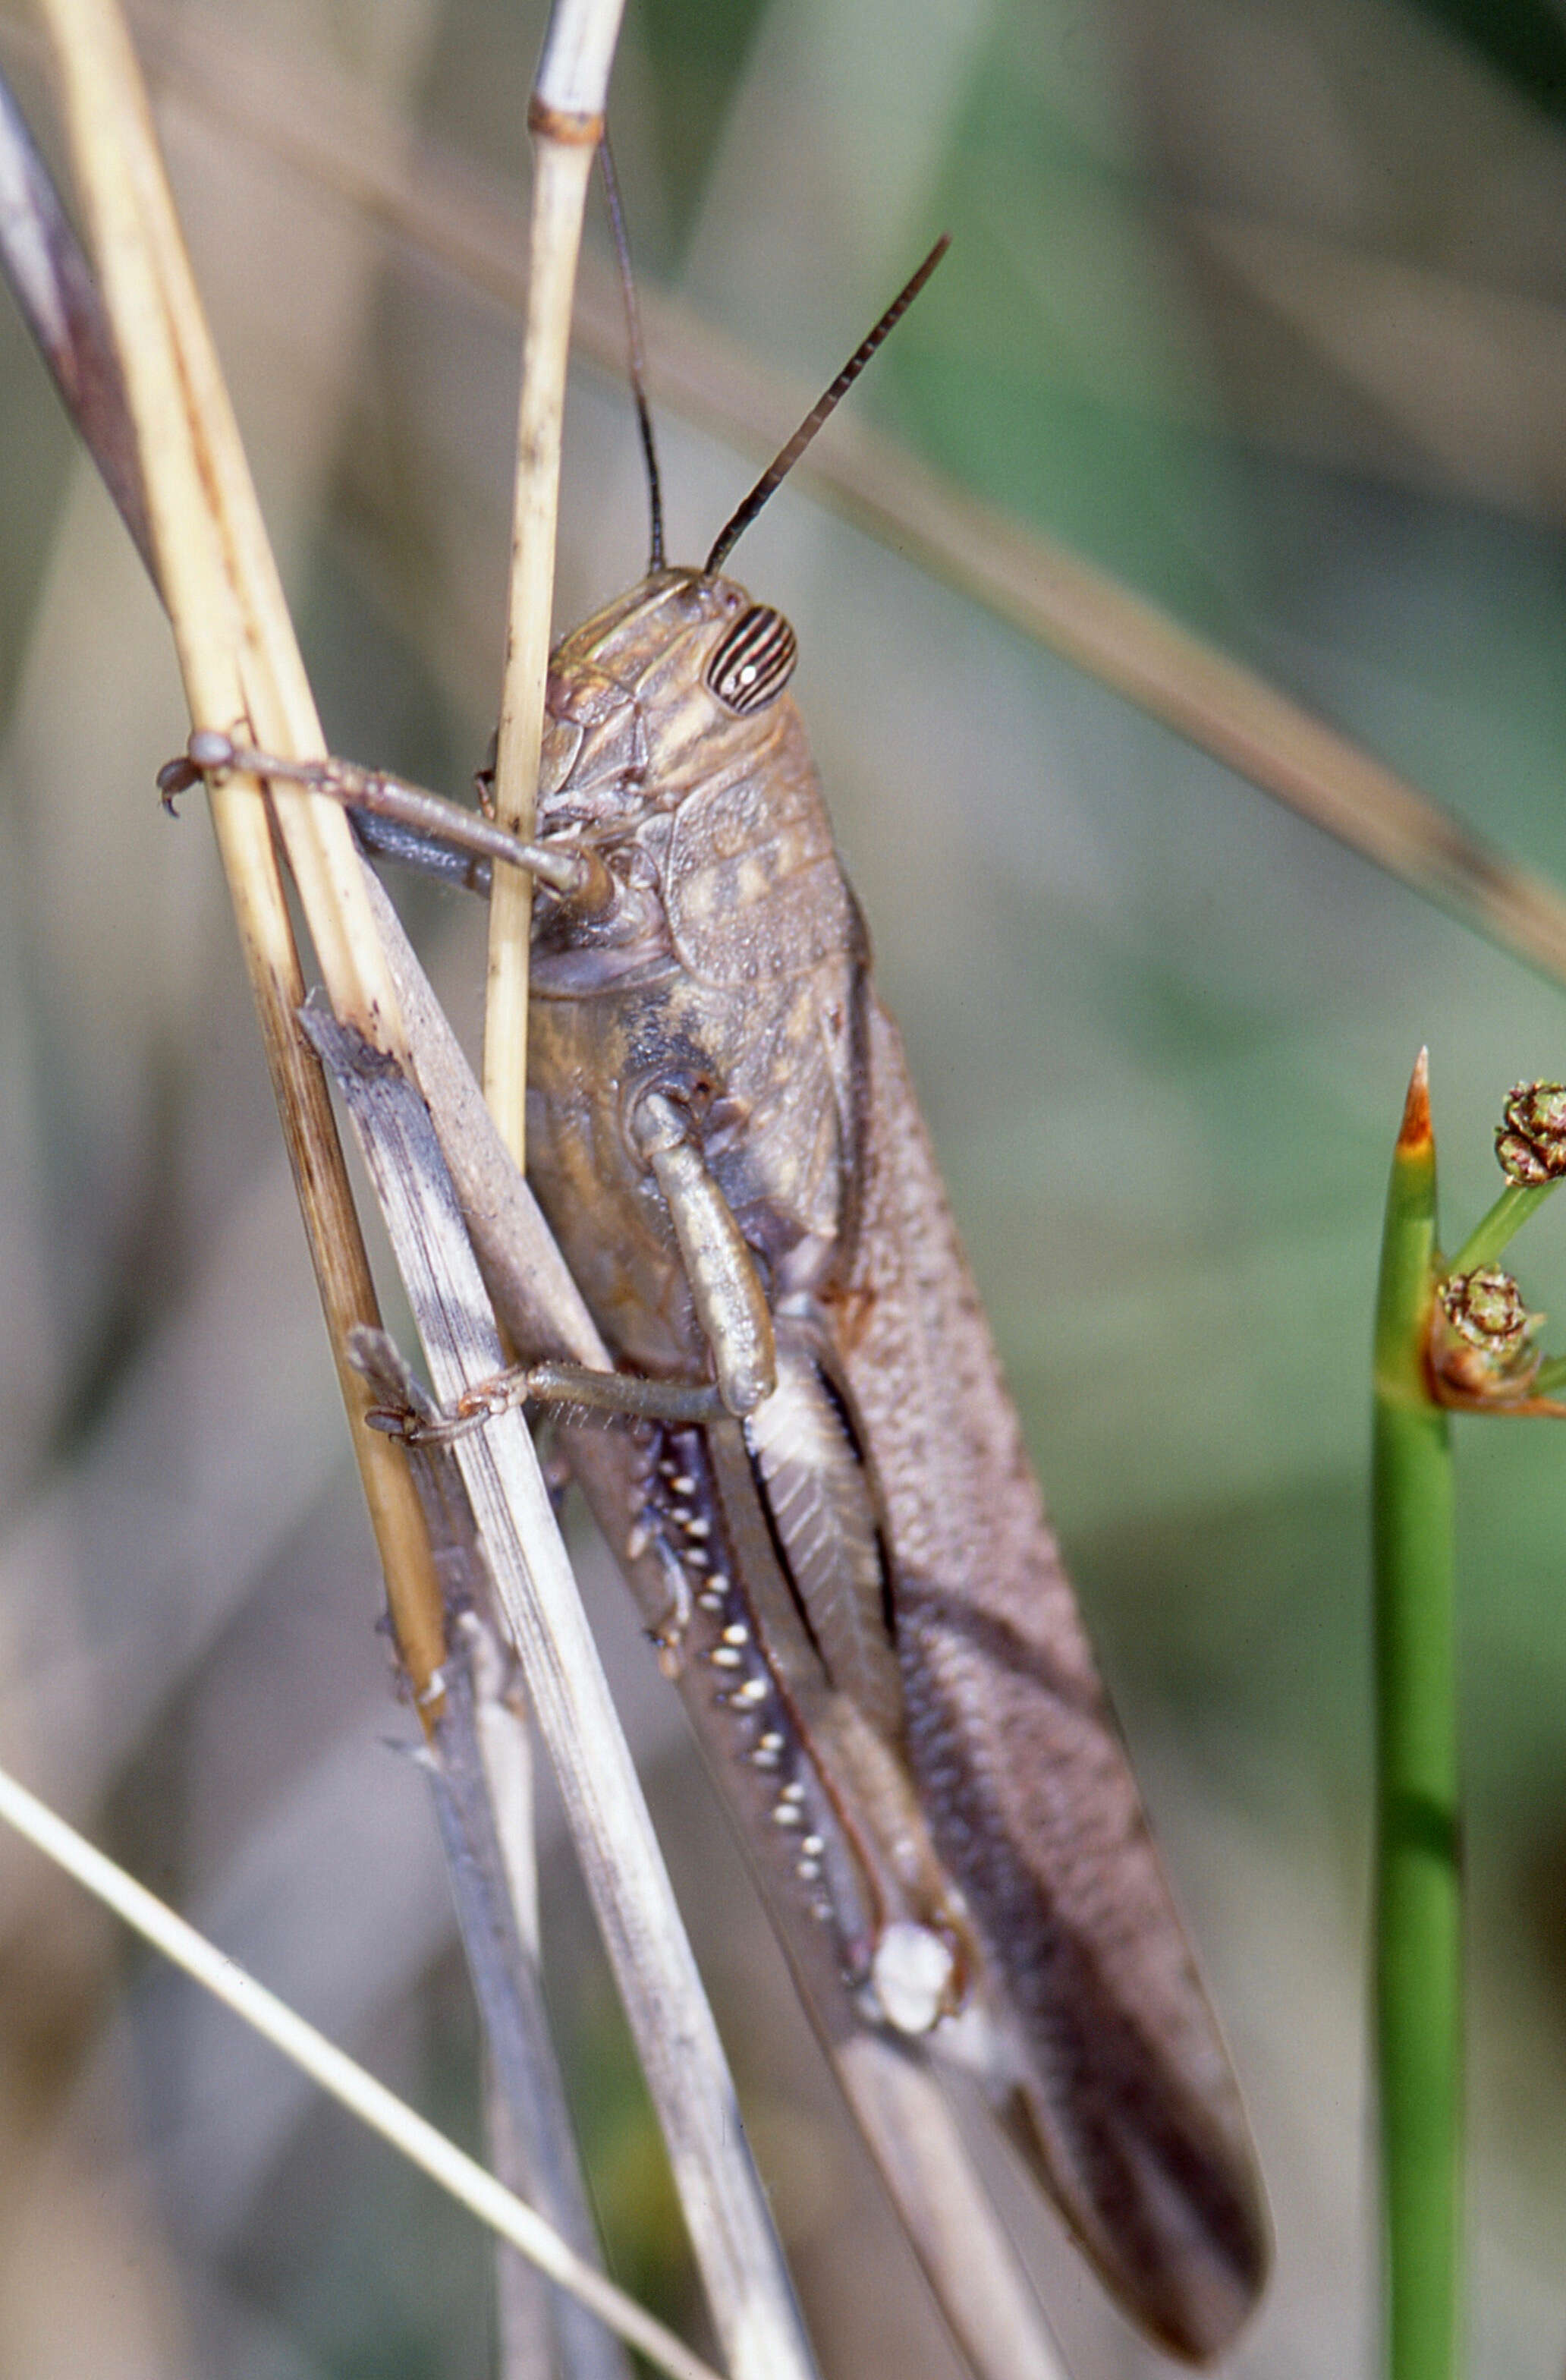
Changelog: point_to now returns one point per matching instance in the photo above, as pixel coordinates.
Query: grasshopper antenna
(638, 358)
(778, 470)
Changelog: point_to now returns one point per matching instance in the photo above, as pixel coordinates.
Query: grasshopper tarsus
(175, 777)
(434, 1428)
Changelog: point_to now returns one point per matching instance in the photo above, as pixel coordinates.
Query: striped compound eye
(755, 660)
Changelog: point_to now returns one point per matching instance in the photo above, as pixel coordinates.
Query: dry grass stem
(239, 661)
(903, 2111)
(561, 170)
(479, 1763)
(531, 2142)
(566, 121)
(687, 2076)
(55, 288)
(346, 2082)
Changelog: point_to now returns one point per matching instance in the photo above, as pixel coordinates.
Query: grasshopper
(822, 1495)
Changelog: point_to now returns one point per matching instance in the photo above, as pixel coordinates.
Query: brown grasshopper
(824, 1503)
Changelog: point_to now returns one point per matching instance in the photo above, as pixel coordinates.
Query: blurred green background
(1261, 307)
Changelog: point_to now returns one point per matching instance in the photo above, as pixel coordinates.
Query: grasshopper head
(663, 686)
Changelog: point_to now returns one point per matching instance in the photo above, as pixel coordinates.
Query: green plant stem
(1418, 1946)
(1505, 1219)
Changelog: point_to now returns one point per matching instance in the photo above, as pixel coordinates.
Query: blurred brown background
(1261, 306)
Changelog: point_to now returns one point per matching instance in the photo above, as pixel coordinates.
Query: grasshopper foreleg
(576, 874)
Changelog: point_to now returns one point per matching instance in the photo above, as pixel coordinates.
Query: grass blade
(1418, 1885)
